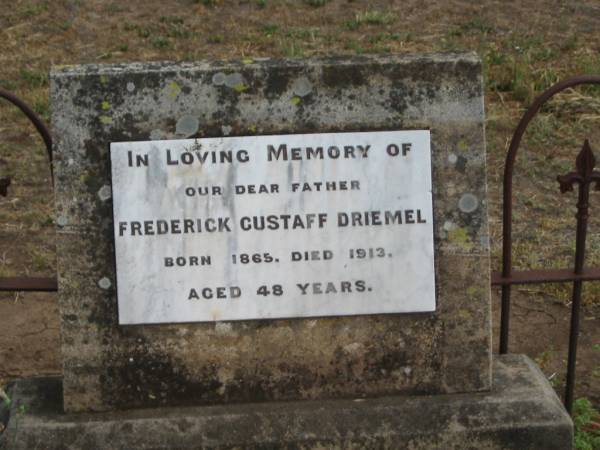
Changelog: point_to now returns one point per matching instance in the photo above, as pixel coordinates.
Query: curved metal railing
(584, 176)
(44, 284)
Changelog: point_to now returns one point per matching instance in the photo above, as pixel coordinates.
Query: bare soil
(525, 47)
(540, 329)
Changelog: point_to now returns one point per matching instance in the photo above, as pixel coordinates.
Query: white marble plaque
(265, 227)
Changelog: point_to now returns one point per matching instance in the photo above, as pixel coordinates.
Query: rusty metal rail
(27, 283)
(583, 177)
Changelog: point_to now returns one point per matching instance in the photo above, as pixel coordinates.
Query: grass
(370, 17)
(587, 425)
(32, 9)
(160, 42)
(34, 78)
(473, 26)
(270, 29)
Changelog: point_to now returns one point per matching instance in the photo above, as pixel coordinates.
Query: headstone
(124, 343)
(233, 233)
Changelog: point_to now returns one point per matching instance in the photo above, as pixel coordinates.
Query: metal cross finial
(585, 173)
(584, 176)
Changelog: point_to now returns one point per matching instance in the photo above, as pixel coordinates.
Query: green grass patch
(34, 9)
(370, 17)
(269, 29)
(587, 427)
(303, 33)
(474, 26)
(292, 48)
(34, 78)
(160, 42)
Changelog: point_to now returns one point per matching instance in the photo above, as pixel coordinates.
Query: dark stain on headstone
(461, 163)
(338, 76)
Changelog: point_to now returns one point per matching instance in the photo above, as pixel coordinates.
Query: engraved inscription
(267, 227)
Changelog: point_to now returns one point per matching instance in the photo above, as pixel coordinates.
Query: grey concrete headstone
(107, 366)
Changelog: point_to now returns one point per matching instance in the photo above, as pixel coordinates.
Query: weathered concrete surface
(521, 412)
(111, 367)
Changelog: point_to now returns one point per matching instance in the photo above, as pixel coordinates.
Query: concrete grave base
(521, 412)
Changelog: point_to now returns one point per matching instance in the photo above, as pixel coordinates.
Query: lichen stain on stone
(187, 126)
(173, 89)
(302, 87)
(235, 81)
(354, 347)
(105, 120)
(218, 79)
(223, 328)
(448, 225)
(104, 283)
(460, 237)
(464, 314)
(104, 193)
(468, 203)
(472, 291)
(84, 178)
(240, 87)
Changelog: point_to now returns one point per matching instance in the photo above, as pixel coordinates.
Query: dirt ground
(525, 47)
